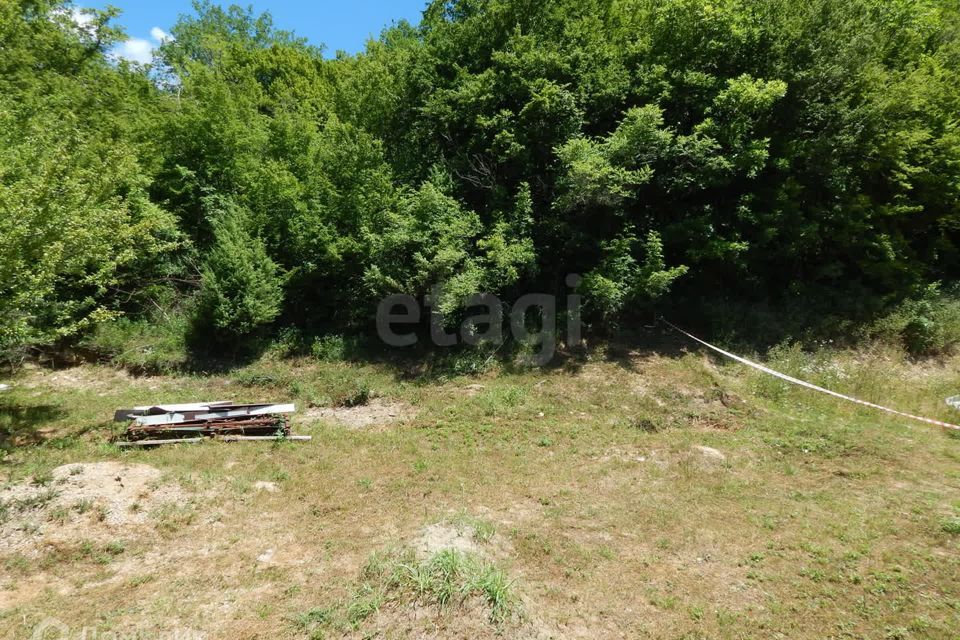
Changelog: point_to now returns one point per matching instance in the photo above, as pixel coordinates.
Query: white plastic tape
(808, 385)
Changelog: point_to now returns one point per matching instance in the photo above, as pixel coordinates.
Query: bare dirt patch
(81, 501)
(84, 378)
(377, 413)
(465, 534)
(472, 390)
(441, 537)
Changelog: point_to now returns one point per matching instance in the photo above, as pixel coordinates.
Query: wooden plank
(157, 443)
(179, 417)
(264, 438)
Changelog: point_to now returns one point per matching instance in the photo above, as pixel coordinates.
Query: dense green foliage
(77, 227)
(799, 155)
(240, 291)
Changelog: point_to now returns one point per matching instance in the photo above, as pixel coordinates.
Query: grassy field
(633, 493)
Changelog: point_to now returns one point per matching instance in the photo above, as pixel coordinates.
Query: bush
(241, 290)
(925, 326)
(359, 396)
(329, 348)
(154, 344)
(288, 342)
(620, 281)
(76, 221)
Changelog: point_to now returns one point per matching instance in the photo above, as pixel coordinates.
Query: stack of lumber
(153, 425)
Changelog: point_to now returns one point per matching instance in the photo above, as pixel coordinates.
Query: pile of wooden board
(154, 425)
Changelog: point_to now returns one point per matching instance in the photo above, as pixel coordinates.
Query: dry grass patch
(462, 533)
(378, 412)
(592, 491)
(401, 594)
(82, 501)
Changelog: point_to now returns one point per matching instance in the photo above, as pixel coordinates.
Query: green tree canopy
(759, 151)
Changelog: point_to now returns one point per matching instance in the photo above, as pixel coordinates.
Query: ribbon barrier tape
(796, 381)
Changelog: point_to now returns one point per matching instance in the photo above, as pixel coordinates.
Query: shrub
(619, 281)
(789, 155)
(288, 342)
(924, 326)
(152, 344)
(76, 221)
(359, 396)
(329, 348)
(241, 290)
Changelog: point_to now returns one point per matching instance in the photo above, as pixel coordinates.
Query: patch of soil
(377, 412)
(83, 378)
(472, 390)
(440, 537)
(82, 502)
(461, 534)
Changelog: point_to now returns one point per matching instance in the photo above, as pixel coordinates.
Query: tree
(241, 290)
(76, 224)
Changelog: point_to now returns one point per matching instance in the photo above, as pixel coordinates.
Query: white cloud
(83, 20)
(135, 50)
(140, 50)
(160, 36)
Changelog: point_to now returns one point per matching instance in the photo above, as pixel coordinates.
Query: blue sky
(340, 25)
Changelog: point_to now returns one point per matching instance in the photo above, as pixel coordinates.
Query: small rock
(266, 556)
(269, 487)
(710, 452)
(732, 401)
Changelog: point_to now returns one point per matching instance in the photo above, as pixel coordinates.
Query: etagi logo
(486, 320)
(53, 629)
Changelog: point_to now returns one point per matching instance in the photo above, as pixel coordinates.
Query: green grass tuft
(445, 580)
(951, 525)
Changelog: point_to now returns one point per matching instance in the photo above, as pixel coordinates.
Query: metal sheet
(122, 415)
(179, 417)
